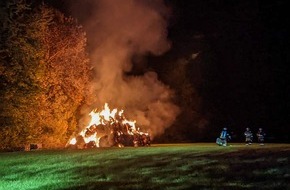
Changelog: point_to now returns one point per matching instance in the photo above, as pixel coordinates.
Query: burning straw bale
(109, 128)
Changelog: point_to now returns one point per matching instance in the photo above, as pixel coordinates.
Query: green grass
(166, 167)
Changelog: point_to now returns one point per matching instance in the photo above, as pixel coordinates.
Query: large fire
(109, 128)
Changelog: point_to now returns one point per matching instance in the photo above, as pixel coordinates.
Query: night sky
(244, 60)
(242, 67)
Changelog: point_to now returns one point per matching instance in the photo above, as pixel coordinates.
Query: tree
(65, 79)
(43, 73)
(19, 68)
(190, 123)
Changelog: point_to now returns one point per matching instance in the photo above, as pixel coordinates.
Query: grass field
(166, 166)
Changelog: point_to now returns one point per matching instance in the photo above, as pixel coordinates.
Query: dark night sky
(246, 80)
(244, 59)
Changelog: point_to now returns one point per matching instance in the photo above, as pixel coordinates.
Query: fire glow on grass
(109, 128)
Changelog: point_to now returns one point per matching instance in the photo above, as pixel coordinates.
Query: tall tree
(43, 73)
(190, 123)
(20, 55)
(65, 79)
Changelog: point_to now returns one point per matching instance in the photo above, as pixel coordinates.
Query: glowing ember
(110, 128)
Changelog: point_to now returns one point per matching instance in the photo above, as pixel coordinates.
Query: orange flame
(106, 117)
(73, 141)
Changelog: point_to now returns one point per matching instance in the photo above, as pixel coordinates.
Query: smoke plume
(121, 30)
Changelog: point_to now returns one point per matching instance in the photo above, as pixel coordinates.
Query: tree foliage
(65, 79)
(43, 73)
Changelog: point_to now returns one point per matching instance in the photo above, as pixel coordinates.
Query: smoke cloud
(121, 30)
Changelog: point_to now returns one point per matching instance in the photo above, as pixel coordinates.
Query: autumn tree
(65, 79)
(43, 73)
(19, 70)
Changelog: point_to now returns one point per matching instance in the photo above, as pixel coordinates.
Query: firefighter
(224, 138)
(249, 136)
(261, 136)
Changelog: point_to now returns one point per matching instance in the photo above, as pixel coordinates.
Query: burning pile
(109, 128)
